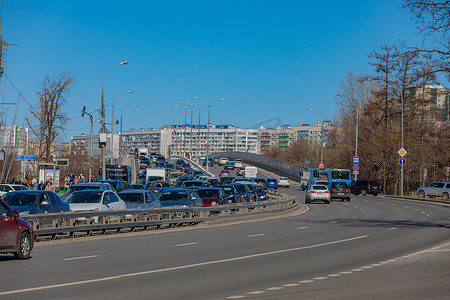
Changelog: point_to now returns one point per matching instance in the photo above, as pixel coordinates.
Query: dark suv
(365, 187)
(118, 185)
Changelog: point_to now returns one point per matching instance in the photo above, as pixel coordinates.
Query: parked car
(229, 166)
(240, 171)
(261, 181)
(435, 189)
(16, 234)
(223, 161)
(212, 196)
(86, 186)
(272, 183)
(283, 181)
(365, 187)
(238, 163)
(6, 188)
(155, 186)
(224, 173)
(174, 197)
(318, 193)
(136, 199)
(95, 200)
(118, 185)
(340, 190)
(35, 202)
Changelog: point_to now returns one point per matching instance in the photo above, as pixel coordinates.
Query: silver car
(318, 193)
(435, 189)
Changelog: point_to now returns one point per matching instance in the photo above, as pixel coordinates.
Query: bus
(313, 175)
(340, 175)
(115, 172)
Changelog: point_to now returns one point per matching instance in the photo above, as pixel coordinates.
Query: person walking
(35, 184)
(75, 180)
(48, 186)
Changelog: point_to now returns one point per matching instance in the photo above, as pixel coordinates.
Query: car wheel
(24, 247)
(328, 202)
(421, 194)
(364, 192)
(348, 199)
(445, 196)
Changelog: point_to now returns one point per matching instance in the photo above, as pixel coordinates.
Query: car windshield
(21, 199)
(193, 183)
(132, 197)
(319, 187)
(228, 190)
(205, 193)
(173, 196)
(20, 188)
(271, 180)
(240, 189)
(259, 189)
(85, 197)
(340, 185)
(260, 180)
(284, 178)
(161, 184)
(76, 187)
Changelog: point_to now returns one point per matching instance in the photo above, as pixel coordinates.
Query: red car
(16, 234)
(212, 196)
(224, 173)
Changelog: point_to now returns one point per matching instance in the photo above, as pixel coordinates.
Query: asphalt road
(370, 247)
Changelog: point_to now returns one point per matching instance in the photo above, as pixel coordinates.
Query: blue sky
(268, 58)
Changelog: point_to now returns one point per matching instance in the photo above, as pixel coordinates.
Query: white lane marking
(393, 228)
(376, 265)
(255, 235)
(415, 209)
(334, 275)
(345, 272)
(290, 284)
(187, 244)
(367, 267)
(320, 278)
(353, 218)
(206, 263)
(81, 257)
(306, 281)
(406, 206)
(356, 270)
(300, 228)
(256, 293)
(275, 288)
(333, 222)
(236, 297)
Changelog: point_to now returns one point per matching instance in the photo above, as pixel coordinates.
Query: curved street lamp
(112, 124)
(120, 135)
(321, 134)
(103, 119)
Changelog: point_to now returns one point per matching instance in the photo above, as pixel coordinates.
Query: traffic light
(83, 111)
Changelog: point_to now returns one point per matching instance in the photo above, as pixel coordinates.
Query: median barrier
(71, 224)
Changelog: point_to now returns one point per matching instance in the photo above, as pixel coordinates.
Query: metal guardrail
(71, 223)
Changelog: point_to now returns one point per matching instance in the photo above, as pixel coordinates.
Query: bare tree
(49, 112)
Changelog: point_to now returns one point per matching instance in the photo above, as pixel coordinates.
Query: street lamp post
(121, 123)
(207, 134)
(91, 160)
(321, 134)
(112, 125)
(103, 119)
(185, 126)
(191, 137)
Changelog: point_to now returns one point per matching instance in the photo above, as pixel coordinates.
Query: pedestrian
(82, 178)
(41, 185)
(66, 182)
(75, 180)
(71, 178)
(48, 186)
(13, 181)
(35, 184)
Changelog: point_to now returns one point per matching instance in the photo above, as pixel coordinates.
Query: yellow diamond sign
(402, 152)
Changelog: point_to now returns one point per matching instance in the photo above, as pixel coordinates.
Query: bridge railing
(270, 164)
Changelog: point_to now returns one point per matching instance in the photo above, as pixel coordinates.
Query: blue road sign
(355, 160)
(355, 167)
(307, 162)
(20, 157)
(402, 161)
(30, 157)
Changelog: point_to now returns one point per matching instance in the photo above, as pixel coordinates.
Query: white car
(238, 163)
(283, 181)
(223, 161)
(95, 200)
(318, 193)
(6, 188)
